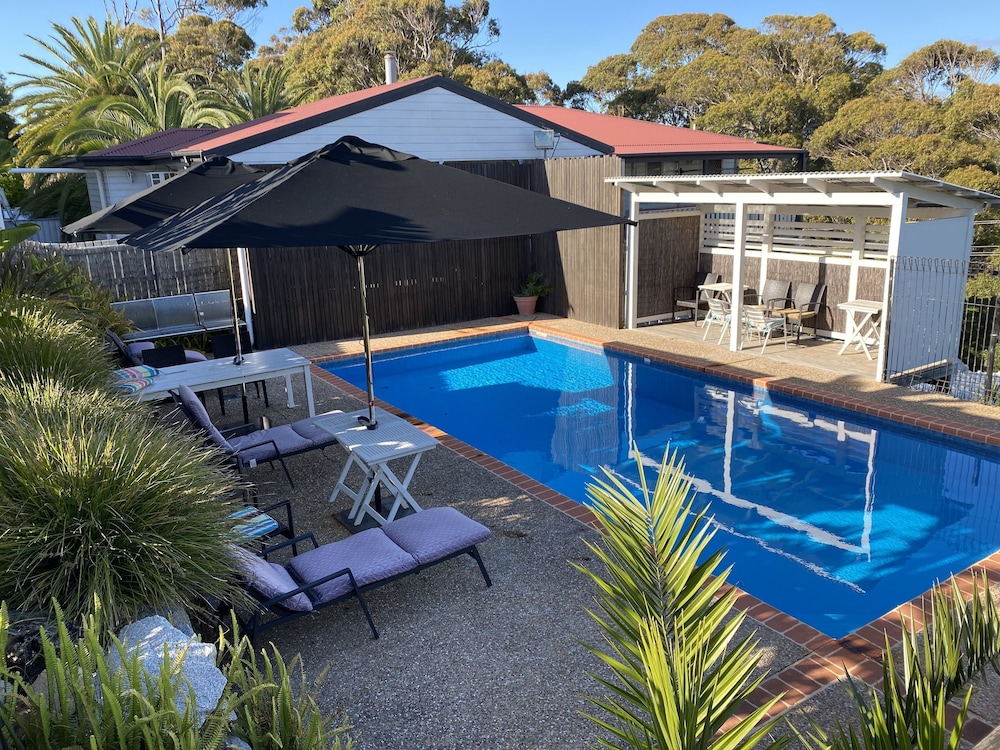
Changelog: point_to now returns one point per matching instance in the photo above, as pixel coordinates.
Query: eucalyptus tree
(211, 47)
(339, 47)
(936, 71)
(776, 83)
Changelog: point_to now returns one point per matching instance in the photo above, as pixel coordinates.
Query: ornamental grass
(100, 500)
(37, 341)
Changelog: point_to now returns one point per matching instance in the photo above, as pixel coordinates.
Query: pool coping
(859, 652)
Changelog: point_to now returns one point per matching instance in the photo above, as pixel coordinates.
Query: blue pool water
(830, 516)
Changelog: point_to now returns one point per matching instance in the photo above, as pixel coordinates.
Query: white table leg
(307, 374)
(291, 396)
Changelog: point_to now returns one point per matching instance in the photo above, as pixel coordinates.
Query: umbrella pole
(369, 421)
(238, 360)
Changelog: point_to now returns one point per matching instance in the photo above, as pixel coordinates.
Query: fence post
(989, 396)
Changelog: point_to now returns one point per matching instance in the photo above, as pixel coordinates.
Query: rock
(150, 636)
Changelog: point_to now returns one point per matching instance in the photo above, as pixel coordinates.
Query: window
(155, 178)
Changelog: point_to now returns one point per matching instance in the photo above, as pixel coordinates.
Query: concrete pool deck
(508, 673)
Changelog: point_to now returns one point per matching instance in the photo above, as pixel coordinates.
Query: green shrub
(36, 342)
(84, 702)
(47, 276)
(99, 499)
(959, 644)
(279, 715)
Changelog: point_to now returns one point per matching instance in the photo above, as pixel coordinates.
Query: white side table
(371, 451)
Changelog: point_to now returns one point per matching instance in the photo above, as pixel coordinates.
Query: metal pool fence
(953, 308)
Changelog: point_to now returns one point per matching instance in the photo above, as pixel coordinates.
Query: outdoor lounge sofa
(337, 571)
(248, 446)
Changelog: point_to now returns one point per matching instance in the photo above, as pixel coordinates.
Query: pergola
(848, 228)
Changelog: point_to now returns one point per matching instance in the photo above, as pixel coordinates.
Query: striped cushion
(252, 523)
(139, 371)
(133, 385)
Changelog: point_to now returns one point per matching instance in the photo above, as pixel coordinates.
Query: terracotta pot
(525, 305)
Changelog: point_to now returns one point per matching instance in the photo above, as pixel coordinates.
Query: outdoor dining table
(722, 288)
(858, 331)
(371, 450)
(218, 373)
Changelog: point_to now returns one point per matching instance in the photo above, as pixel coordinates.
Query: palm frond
(676, 675)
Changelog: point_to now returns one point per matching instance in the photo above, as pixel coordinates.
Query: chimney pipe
(391, 72)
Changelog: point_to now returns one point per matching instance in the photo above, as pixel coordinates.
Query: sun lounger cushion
(435, 533)
(270, 580)
(370, 555)
(257, 445)
(197, 411)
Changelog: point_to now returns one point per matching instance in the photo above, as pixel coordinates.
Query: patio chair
(337, 571)
(757, 323)
(693, 298)
(720, 312)
(774, 295)
(807, 302)
(247, 446)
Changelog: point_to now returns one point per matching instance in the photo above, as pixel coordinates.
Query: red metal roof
(292, 116)
(633, 137)
(625, 136)
(165, 142)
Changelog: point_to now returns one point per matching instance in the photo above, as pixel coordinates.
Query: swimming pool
(829, 516)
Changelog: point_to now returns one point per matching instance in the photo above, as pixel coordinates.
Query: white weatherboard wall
(926, 309)
(437, 125)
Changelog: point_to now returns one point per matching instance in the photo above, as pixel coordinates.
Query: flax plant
(98, 499)
(677, 676)
(89, 699)
(961, 641)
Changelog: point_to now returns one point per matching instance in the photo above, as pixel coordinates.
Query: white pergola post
(739, 256)
(897, 213)
(632, 262)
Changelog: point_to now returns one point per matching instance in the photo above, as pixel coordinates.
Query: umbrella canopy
(189, 188)
(356, 196)
(212, 177)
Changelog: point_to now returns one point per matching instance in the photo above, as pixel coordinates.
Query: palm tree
(677, 676)
(86, 60)
(256, 91)
(90, 61)
(157, 99)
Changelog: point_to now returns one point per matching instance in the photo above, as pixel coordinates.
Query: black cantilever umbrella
(356, 196)
(189, 188)
(211, 177)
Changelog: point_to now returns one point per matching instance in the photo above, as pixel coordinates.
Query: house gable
(434, 123)
(296, 123)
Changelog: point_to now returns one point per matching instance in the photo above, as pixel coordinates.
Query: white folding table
(218, 373)
(858, 331)
(371, 451)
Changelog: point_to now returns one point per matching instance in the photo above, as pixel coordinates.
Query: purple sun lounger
(333, 572)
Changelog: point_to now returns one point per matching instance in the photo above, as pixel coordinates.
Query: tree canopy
(798, 81)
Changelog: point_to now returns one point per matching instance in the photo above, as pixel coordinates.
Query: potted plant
(526, 295)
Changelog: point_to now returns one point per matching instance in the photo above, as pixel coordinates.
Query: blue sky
(563, 37)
